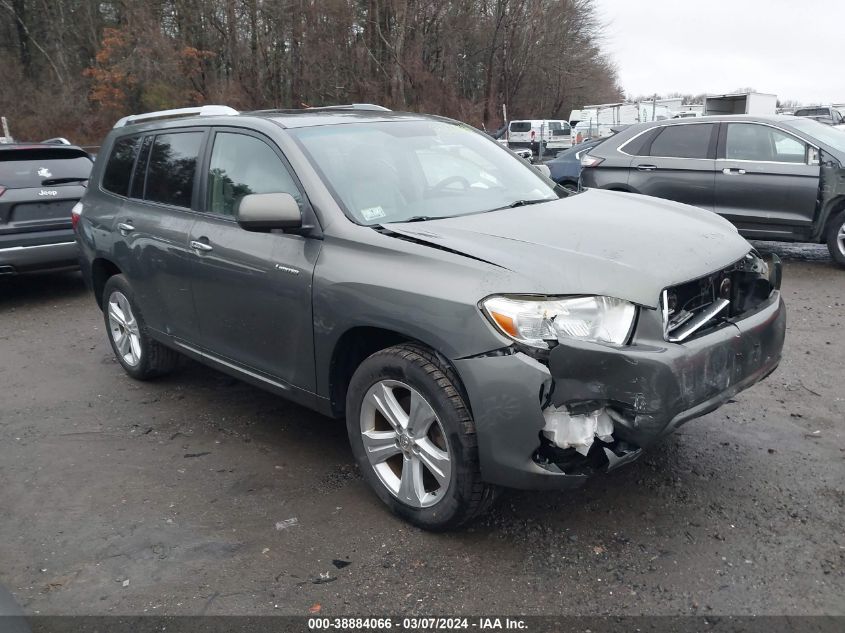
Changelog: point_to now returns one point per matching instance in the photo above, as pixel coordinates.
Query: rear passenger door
(252, 291)
(151, 228)
(677, 163)
(764, 182)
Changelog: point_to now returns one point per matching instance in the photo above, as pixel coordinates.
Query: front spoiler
(657, 385)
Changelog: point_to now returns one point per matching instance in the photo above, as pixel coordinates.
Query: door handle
(125, 227)
(201, 246)
(646, 167)
(733, 171)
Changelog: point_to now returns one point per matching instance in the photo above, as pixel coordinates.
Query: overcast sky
(792, 48)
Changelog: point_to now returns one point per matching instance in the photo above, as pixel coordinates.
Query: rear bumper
(20, 253)
(653, 386)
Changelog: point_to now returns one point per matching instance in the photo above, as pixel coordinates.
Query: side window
(747, 141)
(141, 169)
(172, 167)
(683, 141)
(119, 168)
(241, 165)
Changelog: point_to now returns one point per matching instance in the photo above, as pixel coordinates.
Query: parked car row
(475, 325)
(773, 177)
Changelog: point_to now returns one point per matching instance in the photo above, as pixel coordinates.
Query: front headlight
(535, 321)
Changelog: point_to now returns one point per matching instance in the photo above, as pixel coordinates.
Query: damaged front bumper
(645, 390)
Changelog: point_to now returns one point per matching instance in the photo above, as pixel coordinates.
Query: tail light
(75, 212)
(590, 161)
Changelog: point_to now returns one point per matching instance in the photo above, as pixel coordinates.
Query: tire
(410, 372)
(836, 238)
(140, 356)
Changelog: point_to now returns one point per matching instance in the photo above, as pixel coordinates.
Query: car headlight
(534, 321)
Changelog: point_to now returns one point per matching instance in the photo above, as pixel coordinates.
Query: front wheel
(414, 439)
(836, 238)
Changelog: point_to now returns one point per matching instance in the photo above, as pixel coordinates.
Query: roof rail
(206, 110)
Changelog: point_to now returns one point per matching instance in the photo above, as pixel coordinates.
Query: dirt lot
(200, 494)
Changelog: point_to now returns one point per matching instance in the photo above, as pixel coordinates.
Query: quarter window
(242, 165)
(683, 141)
(747, 141)
(119, 168)
(172, 167)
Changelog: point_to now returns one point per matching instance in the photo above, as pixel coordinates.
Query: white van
(528, 133)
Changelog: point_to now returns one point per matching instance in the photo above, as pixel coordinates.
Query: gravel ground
(200, 494)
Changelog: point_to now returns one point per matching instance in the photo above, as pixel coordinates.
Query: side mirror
(267, 211)
(544, 169)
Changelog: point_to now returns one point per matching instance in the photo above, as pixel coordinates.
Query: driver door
(252, 291)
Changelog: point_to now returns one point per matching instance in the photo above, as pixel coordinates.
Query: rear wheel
(139, 355)
(836, 238)
(414, 439)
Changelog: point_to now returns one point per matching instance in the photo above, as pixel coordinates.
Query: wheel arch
(834, 208)
(101, 270)
(357, 344)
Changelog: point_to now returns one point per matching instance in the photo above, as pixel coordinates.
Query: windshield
(20, 168)
(825, 134)
(396, 171)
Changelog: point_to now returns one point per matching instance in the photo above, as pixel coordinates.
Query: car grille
(702, 305)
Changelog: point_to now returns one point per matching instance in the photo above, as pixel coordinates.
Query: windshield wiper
(61, 181)
(522, 203)
(418, 218)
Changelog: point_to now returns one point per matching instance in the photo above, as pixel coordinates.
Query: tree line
(72, 67)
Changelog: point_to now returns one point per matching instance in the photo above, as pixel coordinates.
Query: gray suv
(774, 177)
(475, 327)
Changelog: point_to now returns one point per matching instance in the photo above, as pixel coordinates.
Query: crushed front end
(583, 407)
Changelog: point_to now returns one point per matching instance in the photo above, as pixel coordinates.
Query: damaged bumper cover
(648, 388)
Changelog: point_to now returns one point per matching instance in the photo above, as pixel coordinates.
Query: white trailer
(740, 103)
(594, 121)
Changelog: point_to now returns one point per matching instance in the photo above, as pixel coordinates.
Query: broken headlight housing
(542, 322)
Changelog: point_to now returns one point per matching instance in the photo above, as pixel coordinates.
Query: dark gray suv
(774, 177)
(475, 328)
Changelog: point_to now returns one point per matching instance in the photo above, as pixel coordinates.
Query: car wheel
(414, 439)
(836, 238)
(141, 356)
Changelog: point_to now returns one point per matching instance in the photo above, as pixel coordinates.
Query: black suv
(474, 324)
(39, 186)
(774, 177)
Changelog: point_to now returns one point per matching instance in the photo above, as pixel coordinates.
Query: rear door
(678, 163)
(252, 290)
(153, 223)
(38, 188)
(764, 182)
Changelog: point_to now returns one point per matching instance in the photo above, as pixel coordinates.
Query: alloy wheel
(840, 239)
(123, 328)
(405, 443)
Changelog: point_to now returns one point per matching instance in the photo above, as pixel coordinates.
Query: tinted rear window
(812, 112)
(21, 168)
(173, 164)
(521, 126)
(683, 141)
(119, 168)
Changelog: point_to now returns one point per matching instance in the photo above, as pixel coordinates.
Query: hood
(599, 242)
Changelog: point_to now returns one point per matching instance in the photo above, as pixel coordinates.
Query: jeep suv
(475, 327)
(39, 185)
